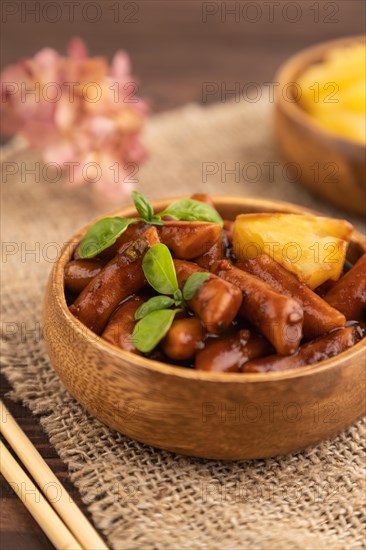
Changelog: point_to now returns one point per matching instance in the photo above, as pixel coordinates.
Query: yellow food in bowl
(313, 248)
(334, 92)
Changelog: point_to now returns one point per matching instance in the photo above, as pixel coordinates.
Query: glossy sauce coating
(277, 317)
(348, 295)
(213, 255)
(184, 339)
(216, 303)
(187, 240)
(229, 230)
(261, 291)
(120, 278)
(319, 317)
(79, 273)
(120, 326)
(230, 353)
(322, 348)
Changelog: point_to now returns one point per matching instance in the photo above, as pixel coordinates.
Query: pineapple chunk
(314, 248)
(333, 91)
(343, 123)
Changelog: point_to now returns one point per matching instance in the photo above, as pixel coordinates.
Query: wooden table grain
(182, 51)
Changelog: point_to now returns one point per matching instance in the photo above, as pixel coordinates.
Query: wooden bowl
(226, 416)
(329, 165)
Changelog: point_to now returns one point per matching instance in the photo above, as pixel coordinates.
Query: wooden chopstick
(46, 480)
(37, 505)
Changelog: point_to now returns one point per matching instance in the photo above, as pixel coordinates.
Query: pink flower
(22, 88)
(84, 114)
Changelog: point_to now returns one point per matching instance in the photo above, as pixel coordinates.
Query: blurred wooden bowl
(329, 165)
(226, 416)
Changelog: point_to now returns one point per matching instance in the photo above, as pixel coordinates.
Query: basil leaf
(178, 296)
(157, 302)
(156, 220)
(192, 210)
(142, 206)
(151, 329)
(159, 269)
(102, 235)
(193, 284)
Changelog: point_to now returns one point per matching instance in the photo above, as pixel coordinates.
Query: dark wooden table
(176, 47)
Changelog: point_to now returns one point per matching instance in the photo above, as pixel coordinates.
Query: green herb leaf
(156, 220)
(192, 210)
(142, 206)
(102, 235)
(150, 330)
(159, 269)
(178, 296)
(157, 302)
(193, 284)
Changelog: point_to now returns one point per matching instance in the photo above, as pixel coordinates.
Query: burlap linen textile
(141, 497)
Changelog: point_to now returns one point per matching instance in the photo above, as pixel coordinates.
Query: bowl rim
(57, 277)
(289, 72)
